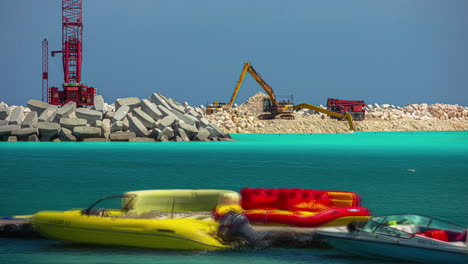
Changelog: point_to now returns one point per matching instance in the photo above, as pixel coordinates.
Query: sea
(394, 172)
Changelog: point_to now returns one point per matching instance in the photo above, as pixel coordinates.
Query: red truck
(343, 106)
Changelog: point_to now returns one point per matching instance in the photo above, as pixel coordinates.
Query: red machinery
(343, 106)
(72, 43)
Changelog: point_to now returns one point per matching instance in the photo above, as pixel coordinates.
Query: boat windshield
(115, 202)
(405, 225)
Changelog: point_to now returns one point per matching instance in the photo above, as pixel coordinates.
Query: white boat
(408, 237)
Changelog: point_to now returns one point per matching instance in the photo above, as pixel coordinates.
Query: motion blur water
(395, 172)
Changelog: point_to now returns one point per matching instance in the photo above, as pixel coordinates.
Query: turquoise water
(395, 172)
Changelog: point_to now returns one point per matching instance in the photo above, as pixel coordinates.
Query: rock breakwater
(157, 118)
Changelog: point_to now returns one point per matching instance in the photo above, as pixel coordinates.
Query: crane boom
(72, 43)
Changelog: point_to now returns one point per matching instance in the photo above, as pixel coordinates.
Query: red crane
(72, 43)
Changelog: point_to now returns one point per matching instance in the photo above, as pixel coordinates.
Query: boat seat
(435, 234)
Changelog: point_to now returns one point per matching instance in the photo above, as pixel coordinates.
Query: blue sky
(387, 51)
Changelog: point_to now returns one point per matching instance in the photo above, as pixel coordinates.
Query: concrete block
(122, 136)
(67, 135)
(48, 130)
(181, 133)
(87, 132)
(186, 118)
(217, 132)
(121, 113)
(99, 104)
(203, 123)
(66, 110)
(116, 126)
(126, 124)
(3, 113)
(189, 130)
(30, 119)
(3, 122)
(166, 112)
(56, 140)
(168, 132)
(145, 119)
(164, 138)
(156, 134)
(37, 106)
(25, 132)
(88, 114)
(185, 104)
(96, 140)
(141, 139)
(151, 109)
(6, 130)
(109, 115)
(48, 114)
(194, 113)
(131, 102)
(71, 123)
(12, 139)
(33, 138)
(167, 121)
(175, 106)
(203, 135)
(178, 139)
(159, 101)
(16, 116)
(138, 127)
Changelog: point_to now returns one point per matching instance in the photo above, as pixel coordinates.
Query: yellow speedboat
(159, 219)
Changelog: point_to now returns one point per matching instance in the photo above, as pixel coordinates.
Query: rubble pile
(384, 117)
(129, 119)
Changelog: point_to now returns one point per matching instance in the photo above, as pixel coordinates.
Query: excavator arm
(328, 112)
(248, 68)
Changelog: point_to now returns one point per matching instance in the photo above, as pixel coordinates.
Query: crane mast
(72, 43)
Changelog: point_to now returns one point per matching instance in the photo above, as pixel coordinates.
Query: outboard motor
(236, 229)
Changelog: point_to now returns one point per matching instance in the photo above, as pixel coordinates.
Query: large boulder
(131, 102)
(88, 114)
(37, 106)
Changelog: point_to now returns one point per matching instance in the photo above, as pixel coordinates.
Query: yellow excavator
(346, 116)
(283, 109)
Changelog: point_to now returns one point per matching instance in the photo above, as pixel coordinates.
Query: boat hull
(172, 234)
(383, 247)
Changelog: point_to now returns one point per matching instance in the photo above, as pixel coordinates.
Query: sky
(381, 51)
